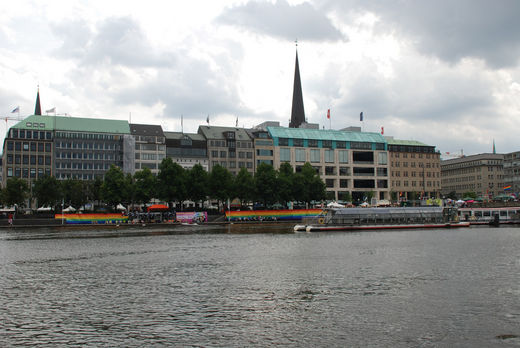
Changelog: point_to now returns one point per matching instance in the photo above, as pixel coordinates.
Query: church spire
(297, 113)
(37, 108)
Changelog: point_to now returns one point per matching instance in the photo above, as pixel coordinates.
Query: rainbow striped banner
(508, 187)
(86, 219)
(256, 215)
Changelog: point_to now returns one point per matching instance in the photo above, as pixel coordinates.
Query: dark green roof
(325, 134)
(75, 124)
(216, 132)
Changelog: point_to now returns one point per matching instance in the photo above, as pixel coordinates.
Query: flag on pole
(236, 123)
(494, 148)
(508, 187)
(328, 114)
(51, 110)
(382, 130)
(207, 119)
(16, 109)
(361, 116)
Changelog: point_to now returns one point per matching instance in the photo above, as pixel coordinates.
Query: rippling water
(436, 288)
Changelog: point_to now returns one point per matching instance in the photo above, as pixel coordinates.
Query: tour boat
(351, 219)
(490, 215)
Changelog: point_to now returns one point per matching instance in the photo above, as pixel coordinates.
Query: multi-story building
(66, 147)
(263, 147)
(481, 174)
(187, 149)
(28, 150)
(512, 171)
(150, 146)
(350, 163)
(231, 147)
(414, 169)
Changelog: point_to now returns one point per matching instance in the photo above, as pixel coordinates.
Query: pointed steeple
(297, 113)
(37, 108)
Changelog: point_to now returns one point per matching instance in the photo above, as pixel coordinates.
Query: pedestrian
(10, 219)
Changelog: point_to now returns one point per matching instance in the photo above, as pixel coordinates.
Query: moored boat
(350, 219)
(490, 215)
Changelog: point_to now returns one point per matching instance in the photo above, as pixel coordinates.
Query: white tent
(335, 205)
(42, 209)
(69, 209)
(120, 207)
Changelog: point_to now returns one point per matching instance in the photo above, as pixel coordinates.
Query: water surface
(410, 288)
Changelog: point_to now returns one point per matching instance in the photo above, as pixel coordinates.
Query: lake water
(410, 288)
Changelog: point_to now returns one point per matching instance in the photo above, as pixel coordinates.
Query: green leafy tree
(452, 195)
(197, 183)
(308, 185)
(266, 184)
(145, 186)
(15, 192)
(285, 183)
(469, 194)
(47, 190)
(220, 183)
(114, 186)
(129, 193)
(171, 182)
(242, 186)
(74, 192)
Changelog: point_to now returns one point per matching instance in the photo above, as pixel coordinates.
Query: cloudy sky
(442, 72)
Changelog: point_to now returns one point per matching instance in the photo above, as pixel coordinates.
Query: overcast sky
(442, 72)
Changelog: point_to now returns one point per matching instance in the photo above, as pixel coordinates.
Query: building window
(327, 143)
(315, 156)
(330, 170)
(329, 156)
(299, 155)
(344, 171)
(313, 143)
(383, 158)
(283, 142)
(329, 182)
(343, 183)
(298, 142)
(285, 155)
(214, 154)
(341, 144)
(343, 156)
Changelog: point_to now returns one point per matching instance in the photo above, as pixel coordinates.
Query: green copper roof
(392, 141)
(75, 124)
(325, 134)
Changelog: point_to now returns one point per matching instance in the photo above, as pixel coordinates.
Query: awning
(157, 207)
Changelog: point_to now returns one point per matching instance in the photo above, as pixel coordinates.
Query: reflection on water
(400, 288)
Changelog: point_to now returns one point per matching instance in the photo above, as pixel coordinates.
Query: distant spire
(494, 148)
(298, 113)
(37, 108)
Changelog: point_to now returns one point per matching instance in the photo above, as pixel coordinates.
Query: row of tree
(172, 184)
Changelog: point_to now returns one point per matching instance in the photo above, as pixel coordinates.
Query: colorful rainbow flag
(254, 215)
(86, 219)
(508, 187)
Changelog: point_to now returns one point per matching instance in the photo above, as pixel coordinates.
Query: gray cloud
(117, 41)
(450, 30)
(282, 20)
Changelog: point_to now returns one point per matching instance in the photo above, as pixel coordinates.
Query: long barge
(353, 219)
